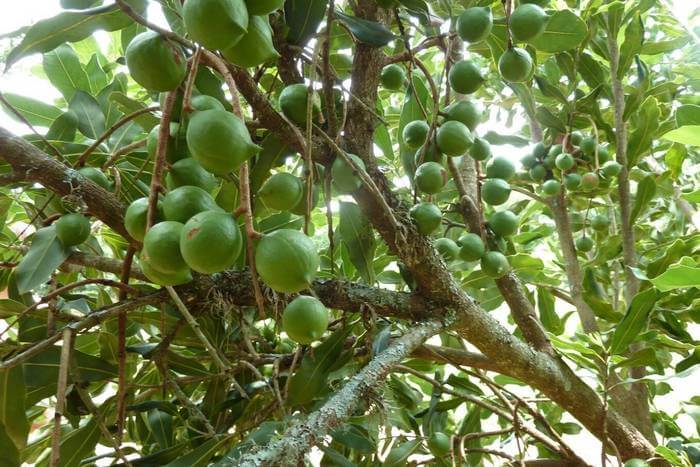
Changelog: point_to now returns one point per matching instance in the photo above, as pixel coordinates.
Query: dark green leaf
(36, 112)
(358, 237)
(354, 437)
(63, 68)
(591, 71)
(646, 189)
(549, 120)
(634, 322)
(302, 18)
(161, 425)
(45, 255)
(79, 444)
(42, 369)
(634, 39)
(646, 124)
(335, 457)
(315, 367)
(200, 456)
(91, 120)
(564, 31)
(10, 454)
(72, 26)
(63, 128)
(412, 111)
(514, 140)
(400, 452)
(272, 154)
(368, 32)
(12, 405)
(548, 315)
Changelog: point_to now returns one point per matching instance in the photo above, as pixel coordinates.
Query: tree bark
(289, 450)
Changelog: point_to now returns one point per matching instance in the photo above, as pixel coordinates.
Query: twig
(19, 115)
(220, 360)
(364, 178)
(327, 78)
(61, 396)
(109, 132)
(121, 339)
(124, 150)
(89, 321)
(159, 164)
(189, 84)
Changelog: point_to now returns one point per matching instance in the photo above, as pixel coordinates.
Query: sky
(20, 80)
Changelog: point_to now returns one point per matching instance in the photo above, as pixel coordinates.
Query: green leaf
(10, 454)
(564, 31)
(9, 307)
(200, 456)
(687, 134)
(354, 437)
(79, 444)
(634, 322)
(646, 189)
(592, 72)
(315, 367)
(358, 237)
(643, 357)
(271, 155)
(498, 139)
(63, 68)
(693, 196)
(683, 274)
(335, 457)
(303, 18)
(548, 315)
(161, 424)
(550, 90)
(91, 120)
(127, 105)
(647, 122)
(45, 255)
(71, 26)
(42, 369)
(662, 47)
(12, 405)
(97, 77)
(411, 111)
(400, 452)
(549, 120)
(634, 39)
(674, 158)
(688, 114)
(368, 32)
(36, 112)
(63, 128)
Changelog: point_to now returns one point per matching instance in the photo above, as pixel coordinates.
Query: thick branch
(38, 167)
(629, 253)
(544, 372)
(571, 264)
(297, 440)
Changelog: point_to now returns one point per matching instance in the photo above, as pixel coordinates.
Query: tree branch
(297, 440)
(38, 167)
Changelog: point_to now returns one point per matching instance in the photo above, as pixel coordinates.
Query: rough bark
(35, 166)
(629, 253)
(637, 403)
(571, 265)
(544, 372)
(297, 440)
